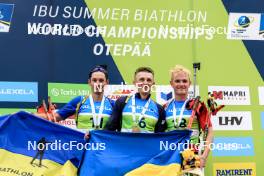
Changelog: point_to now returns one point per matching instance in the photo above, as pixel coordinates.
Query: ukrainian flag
(134, 154)
(33, 146)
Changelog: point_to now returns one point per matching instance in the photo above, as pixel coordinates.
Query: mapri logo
(232, 120)
(234, 169)
(6, 11)
(230, 95)
(261, 95)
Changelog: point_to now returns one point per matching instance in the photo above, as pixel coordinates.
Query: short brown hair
(144, 69)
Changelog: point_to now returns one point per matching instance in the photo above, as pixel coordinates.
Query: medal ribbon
(134, 109)
(181, 112)
(97, 117)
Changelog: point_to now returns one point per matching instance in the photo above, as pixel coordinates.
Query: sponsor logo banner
(69, 122)
(230, 95)
(232, 120)
(261, 95)
(261, 28)
(19, 91)
(165, 93)
(262, 119)
(6, 12)
(234, 169)
(233, 146)
(5, 111)
(62, 92)
(245, 26)
(116, 91)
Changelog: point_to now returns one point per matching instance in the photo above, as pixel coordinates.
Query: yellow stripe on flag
(151, 169)
(16, 164)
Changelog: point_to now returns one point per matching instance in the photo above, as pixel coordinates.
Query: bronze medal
(135, 128)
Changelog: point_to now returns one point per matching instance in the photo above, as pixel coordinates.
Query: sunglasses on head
(98, 69)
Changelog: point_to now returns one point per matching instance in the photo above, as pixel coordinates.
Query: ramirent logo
(234, 172)
(234, 169)
(19, 91)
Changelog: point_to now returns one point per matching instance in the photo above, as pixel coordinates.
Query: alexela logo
(230, 95)
(262, 119)
(233, 146)
(6, 11)
(234, 169)
(232, 120)
(19, 91)
(261, 95)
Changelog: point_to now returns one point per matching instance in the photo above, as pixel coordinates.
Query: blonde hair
(180, 68)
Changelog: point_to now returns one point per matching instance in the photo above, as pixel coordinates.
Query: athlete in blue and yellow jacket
(92, 111)
(178, 116)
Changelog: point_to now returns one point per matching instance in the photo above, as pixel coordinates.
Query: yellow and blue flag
(134, 154)
(33, 146)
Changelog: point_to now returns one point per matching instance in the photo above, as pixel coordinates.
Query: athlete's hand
(87, 135)
(202, 161)
(42, 115)
(45, 116)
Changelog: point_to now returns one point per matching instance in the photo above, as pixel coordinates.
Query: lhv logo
(232, 120)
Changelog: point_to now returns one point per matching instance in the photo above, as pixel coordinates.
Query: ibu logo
(243, 21)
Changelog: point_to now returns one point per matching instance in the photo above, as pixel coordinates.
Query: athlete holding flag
(91, 111)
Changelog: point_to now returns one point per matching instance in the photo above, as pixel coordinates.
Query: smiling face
(143, 81)
(180, 82)
(97, 82)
